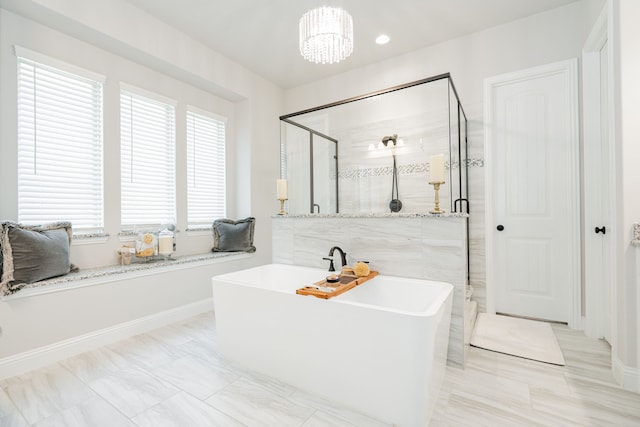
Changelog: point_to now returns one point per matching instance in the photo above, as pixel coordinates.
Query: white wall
(626, 33)
(253, 133)
(125, 44)
(548, 37)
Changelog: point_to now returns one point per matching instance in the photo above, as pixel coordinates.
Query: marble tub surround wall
(423, 246)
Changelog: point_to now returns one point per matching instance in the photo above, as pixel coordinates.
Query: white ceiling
(262, 35)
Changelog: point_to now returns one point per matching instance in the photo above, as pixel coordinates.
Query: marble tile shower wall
(365, 168)
(365, 176)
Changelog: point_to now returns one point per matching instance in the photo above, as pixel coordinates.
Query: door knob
(500, 227)
(602, 230)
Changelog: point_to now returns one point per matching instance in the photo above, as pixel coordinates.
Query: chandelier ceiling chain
(326, 35)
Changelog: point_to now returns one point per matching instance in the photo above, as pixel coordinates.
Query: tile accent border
(403, 169)
(636, 235)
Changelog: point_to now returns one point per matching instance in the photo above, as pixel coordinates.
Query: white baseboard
(39, 357)
(627, 377)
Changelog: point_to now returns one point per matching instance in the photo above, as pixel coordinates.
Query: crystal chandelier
(326, 35)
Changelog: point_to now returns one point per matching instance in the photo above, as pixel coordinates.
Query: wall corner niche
(339, 158)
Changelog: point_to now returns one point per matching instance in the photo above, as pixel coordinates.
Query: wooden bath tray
(347, 281)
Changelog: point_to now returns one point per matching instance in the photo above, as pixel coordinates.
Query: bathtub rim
(432, 309)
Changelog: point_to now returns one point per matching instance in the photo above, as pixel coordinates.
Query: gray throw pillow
(233, 236)
(33, 253)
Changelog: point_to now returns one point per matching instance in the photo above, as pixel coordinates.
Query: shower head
(393, 138)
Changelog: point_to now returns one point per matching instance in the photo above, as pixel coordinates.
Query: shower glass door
(309, 163)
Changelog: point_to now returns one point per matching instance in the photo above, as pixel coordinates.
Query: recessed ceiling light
(383, 39)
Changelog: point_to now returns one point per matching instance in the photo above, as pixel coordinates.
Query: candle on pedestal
(436, 168)
(282, 189)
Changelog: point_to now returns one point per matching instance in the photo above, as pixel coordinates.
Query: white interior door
(533, 221)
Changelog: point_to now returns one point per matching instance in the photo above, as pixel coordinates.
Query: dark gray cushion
(233, 236)
(32, 253)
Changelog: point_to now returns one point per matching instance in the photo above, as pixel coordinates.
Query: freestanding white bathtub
(380, 348)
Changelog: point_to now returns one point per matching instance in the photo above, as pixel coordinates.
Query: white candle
(166, 245)
(436, 167)
(282, 189)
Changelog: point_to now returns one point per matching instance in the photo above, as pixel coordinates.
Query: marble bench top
(98, 272)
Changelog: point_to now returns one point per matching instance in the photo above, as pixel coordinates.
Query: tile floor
(175, 376)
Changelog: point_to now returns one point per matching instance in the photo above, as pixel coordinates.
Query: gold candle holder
(282, 211)
(436, 187)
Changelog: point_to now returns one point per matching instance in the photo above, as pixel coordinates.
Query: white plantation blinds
(59, 146)
(206, 183)
(147, 161)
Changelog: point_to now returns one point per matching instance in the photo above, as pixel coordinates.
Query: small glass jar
(146, 245)
(165, 243)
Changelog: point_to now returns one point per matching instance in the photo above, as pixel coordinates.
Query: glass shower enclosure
(357, 155)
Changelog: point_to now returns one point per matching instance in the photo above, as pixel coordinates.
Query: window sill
(89, 239)
(96, 276)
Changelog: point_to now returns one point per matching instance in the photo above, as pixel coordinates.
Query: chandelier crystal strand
(326, 35)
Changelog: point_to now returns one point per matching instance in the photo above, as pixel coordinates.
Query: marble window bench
(112, 273)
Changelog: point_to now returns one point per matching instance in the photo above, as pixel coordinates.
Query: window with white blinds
(206, 183)
(59, 146)
(147, 161)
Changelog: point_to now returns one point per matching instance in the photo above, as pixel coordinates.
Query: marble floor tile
(506, 394)
(146, 351)
(271, 384)
(336, 411)
(178, 334)
(177, 376)
(46, 391)
(184, 410)
(6, 405)
(256, 406)
(466, 411)
(13, 420)
(95, 412)
(321, 419)
(132, 390)
(93, 364)
(196, 377)
(206, 350)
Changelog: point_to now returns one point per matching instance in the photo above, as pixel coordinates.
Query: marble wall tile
(418, 247)
(253, 405)
(398, 257)
(184, 410)
(282, 237)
